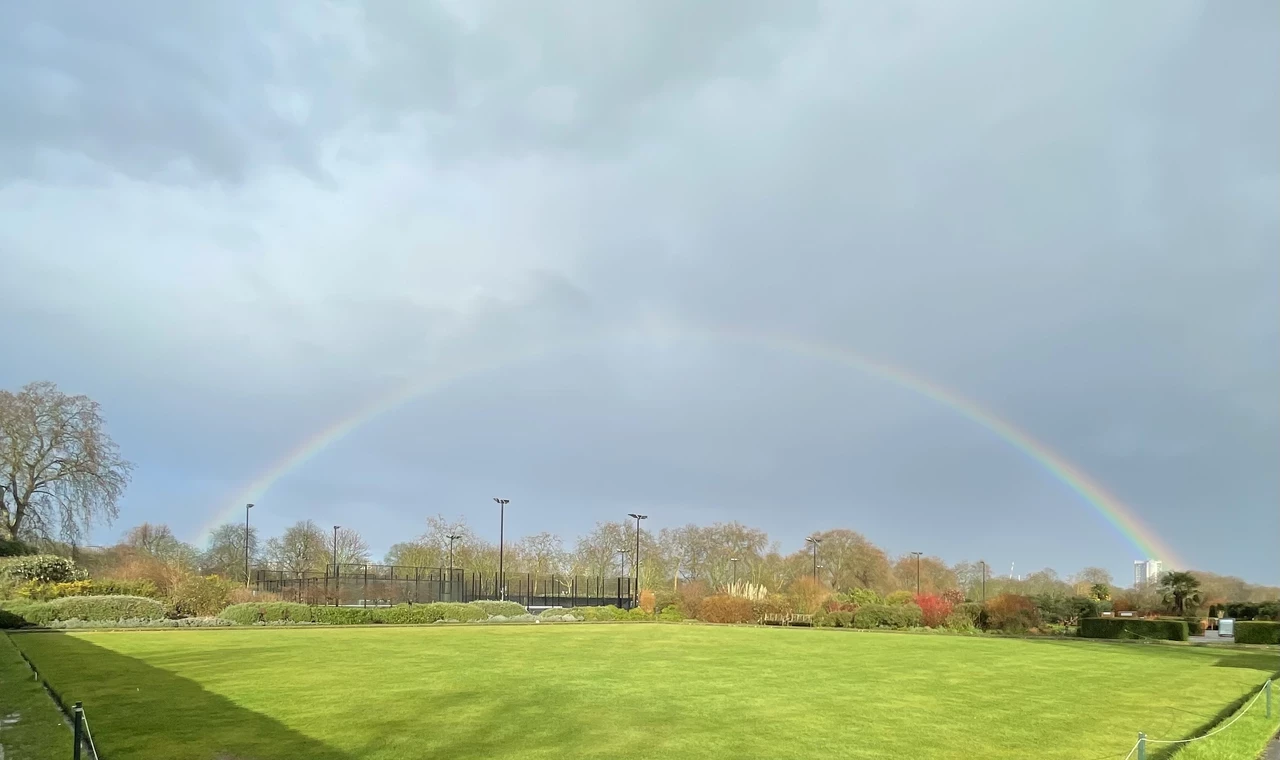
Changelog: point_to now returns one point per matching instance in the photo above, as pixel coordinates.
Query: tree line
(711, 554)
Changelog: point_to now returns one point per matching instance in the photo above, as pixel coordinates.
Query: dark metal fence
(383, 585)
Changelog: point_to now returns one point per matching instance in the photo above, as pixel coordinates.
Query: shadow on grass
(139, 711)
(1264, 661)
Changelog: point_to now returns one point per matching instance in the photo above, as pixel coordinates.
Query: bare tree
(351, 549)
(224, 554)
(59, 469)
(303, 548)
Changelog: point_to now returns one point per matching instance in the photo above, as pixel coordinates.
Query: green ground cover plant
(631, 691)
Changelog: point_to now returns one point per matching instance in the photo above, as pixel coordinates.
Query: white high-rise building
(1146, 572)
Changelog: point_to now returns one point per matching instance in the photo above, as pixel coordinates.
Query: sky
(551, 241)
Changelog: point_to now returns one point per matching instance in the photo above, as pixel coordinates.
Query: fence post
(1142, 746)
(77, 729)
(1268, 697)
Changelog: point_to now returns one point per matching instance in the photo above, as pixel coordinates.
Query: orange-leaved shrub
(807, 595)
(647, 601)
(726, 609)
(934, 609)
(690, 596)
(1013, 613)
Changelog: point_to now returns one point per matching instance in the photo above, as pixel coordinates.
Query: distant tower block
(1146, 572)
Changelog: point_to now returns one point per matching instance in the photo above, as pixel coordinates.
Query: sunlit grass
(630, 691)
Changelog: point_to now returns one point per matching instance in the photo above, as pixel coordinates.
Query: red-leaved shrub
(726, 609)
(953, 595)
(934, 609)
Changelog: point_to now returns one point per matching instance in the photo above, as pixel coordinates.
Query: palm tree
(1177, 588)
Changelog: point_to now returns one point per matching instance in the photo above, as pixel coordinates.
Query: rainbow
(1109, 507)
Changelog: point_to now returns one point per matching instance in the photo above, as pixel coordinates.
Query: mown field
(630, 691)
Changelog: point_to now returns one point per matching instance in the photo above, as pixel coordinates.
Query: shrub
(934, 609)
(671, 614)
(807, 595)
(772, 605)
(726, 609)
(1257, 632)
(638, 613)
(116, 587)
(556, 614)
(900, 597)
(100, 608)
(196, 622)
(506, 609)
(960, 622)
(664, 598)
(14, 548)
(689, 598)
(835, 604)
(954, 595)
(1133, 628)
(44, 592)
(200, 596)
(347, 615)
(597, 614)
(248, 613)
(860, 596)
(823, 619)
(648, 601)
(971, 610)
(1012, 613)
(44, 568)
(842, 618)
(887, 616)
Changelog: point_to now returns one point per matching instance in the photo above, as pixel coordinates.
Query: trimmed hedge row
(1257, 632)
(98, 608)
(1134, 628)
(269, 612)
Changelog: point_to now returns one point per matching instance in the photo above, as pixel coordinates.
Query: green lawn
(630, 691)
(31, 728)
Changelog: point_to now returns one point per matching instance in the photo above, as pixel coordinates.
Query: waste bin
(1227, 627)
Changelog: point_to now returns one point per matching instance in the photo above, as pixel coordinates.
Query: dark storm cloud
(264, 215)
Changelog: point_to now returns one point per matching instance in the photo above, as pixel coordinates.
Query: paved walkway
(1273, 752)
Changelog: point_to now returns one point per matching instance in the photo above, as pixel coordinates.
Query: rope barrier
(1219, 729)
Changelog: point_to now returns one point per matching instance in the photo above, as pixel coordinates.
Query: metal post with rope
(1141, 746)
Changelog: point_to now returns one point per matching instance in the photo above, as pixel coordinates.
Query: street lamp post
(502, 519)
(814, 541)
(636, 591)
(917, 556)
(247, 507)
(984, 580)
(734, 565)
(452, 537)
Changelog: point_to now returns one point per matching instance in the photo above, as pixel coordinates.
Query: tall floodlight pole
(734, 565)
(502, 519)
(247, 507)
(335, 548)
(452, 537)
(814, 541)
(635, 592)
(622, 562)
(917, 556)
(984, 580)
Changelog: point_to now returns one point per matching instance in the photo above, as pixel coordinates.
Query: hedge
(1257, 632)
(96, 608)
(888, 616)
(249, 613)
(1133, 628)
(1195, 625)
(506, 609)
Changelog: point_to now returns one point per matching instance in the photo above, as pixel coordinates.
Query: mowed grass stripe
(629, 691)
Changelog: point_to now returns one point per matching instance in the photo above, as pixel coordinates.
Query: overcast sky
(235, 224)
